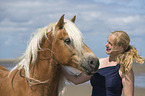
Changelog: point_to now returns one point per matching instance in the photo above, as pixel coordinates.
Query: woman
(115, 72)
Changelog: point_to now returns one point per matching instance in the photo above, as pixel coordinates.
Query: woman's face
(111, 48)
(109, 45)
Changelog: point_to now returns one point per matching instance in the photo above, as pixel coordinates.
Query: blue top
(107, 82)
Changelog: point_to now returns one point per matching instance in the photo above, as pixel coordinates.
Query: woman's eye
(110, 43)
(67, 41)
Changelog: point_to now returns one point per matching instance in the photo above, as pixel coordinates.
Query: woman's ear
(121, 49)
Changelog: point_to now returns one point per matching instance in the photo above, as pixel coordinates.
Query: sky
(96, 19)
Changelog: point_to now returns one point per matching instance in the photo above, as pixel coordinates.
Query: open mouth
(108, 49)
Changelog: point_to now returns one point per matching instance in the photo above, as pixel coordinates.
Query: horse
(38, 70)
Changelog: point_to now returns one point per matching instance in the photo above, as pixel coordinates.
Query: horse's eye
(67, 41)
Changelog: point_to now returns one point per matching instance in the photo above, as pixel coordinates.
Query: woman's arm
(76, 79)
(128, 83)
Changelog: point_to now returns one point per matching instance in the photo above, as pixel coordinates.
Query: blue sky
(95, 18)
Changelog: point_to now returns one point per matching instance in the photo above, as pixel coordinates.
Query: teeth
(108, 49)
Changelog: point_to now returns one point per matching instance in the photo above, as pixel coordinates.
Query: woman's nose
(106, 44)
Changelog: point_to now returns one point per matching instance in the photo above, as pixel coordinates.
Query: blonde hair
(125, 59)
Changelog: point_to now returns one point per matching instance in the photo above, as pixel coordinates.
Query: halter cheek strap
(33, 82)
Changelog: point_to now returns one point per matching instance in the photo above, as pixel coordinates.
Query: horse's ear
(73, 19)
(60, 23)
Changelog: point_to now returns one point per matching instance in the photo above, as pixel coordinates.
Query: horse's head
(60, 43)
(69, 48)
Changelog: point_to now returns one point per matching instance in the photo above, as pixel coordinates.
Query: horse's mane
(31, 52)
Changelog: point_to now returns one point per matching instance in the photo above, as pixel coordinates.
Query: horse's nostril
(91, 62)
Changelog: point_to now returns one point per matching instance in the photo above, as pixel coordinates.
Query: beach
(86, 89)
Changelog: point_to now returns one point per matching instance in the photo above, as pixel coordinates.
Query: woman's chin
(108, 52)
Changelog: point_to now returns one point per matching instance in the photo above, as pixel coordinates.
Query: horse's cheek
(64, 56)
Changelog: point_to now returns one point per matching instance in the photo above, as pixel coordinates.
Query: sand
(78, 90)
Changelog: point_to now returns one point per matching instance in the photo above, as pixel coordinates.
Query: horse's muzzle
(91, 65)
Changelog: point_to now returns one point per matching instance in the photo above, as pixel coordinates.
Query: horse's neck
(50, 72)
(45, 67)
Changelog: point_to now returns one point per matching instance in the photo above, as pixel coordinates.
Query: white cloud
(127, 19)
(130, 23)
